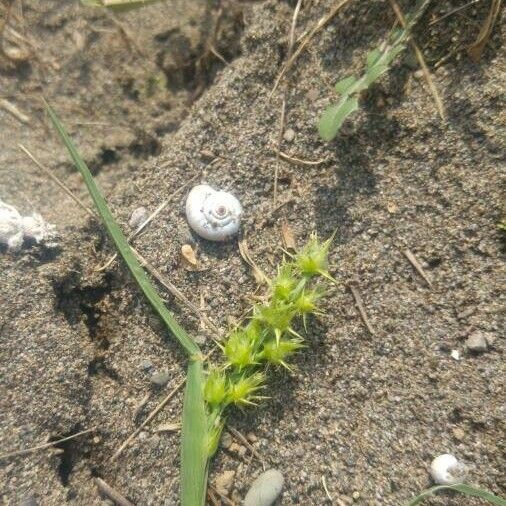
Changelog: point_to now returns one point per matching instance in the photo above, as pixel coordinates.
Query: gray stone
(265, 489)
(477, 342)
(160, 379)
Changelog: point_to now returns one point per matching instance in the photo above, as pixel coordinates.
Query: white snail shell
(214, 215)
(447, 470)
(11, 231)
(14, 228)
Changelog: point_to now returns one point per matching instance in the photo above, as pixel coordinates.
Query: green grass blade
(194, 450)
(463, 489)
(121, 243)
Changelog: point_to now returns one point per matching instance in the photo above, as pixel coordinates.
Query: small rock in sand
(138, 217)
(477, 342)
(224, 481)
(265, 489)
(160, 379)
(289, 135)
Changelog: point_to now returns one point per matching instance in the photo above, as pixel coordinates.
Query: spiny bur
(269, 337)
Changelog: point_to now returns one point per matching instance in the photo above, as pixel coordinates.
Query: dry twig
(324, 484)
(421, 60)
(62, 185)
(291, 39)
(418, 267)
(235, 433)
(360, 306)
(112, 494)
(258, 274)
(45, 445)
(476, 48)
(319, 25)
(300, 161)
(12, 109)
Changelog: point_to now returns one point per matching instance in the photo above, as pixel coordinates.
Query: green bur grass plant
(378, 61)
(268, 338)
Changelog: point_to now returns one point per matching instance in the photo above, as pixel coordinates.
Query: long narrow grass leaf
(463, 489)
(121, 243)
(194, 434)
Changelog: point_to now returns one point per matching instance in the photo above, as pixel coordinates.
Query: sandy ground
(151, 108)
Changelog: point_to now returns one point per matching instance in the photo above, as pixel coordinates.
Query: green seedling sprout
(378, 61)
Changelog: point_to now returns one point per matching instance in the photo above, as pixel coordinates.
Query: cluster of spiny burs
(268, 337)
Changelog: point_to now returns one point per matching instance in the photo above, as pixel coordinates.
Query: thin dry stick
(300, 161)
(324, 483)
(280, 139)
(245, 442)
(454, 11)
(148, 220)
(421, 60)
(416, 264)
(176, 292)
(360, 306)
(112, 494)
(150, 417)
(48, 173)
(12, 109)
(291, 39)
(44, 446)
(321, 23)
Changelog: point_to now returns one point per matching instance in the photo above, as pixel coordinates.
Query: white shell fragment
(265, 489)
(14, 228)
(447, 470)
(214, 215)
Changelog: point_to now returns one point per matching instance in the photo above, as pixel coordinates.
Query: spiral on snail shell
(214, 215)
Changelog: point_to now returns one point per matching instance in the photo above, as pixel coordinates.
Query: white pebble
(447, 470)
(265, 489)
(138, 217)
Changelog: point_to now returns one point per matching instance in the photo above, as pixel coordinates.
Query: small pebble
(138, 217)
(226, 441)
(237, 448)
(160, 379)
(224, 482)
(289, 135)
(458, 433)
(251, 437)
(146, 365)
(265, 489)
(188, 255)
(477, 342)
(455, 354)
